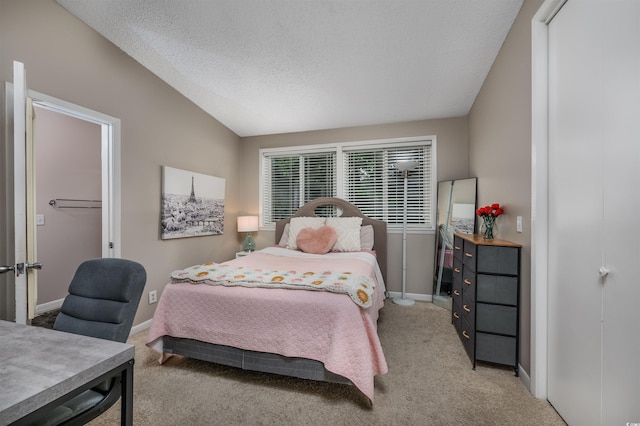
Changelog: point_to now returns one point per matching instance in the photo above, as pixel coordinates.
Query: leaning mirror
(456, 211)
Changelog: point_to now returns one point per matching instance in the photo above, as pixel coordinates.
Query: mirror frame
(445, 218)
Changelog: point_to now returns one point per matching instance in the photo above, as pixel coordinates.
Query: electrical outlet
(153, 297)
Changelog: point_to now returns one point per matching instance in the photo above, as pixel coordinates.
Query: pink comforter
(318, 325)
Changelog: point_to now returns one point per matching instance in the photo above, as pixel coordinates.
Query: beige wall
(66, 59)
(500, 149)
(452, 163)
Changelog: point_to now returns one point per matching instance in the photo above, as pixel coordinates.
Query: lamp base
(403, 302)
(248, 244)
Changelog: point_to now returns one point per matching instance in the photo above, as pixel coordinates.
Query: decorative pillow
(366, 237)
(348, 230)
(284, 238)
(316, 241)
(298, 223)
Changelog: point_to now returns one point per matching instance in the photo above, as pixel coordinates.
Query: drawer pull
(456, 247)
(466, 308)
(457, 270)
(467, 282)
(468, 254)
(456, 316)
(464, 333)
(456, 292)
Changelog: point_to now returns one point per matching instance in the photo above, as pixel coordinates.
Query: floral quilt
(359, 287)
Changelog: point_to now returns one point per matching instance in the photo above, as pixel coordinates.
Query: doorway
(82, 201)
(110, 239)
(68, 200)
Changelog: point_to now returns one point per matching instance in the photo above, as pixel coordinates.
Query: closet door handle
(464, 333)
(456, 292)
(467, 282)
(466, 308)
(456, 316)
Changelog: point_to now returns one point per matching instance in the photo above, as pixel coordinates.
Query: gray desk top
(38, 365)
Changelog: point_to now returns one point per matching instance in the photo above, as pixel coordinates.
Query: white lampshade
(248, 223)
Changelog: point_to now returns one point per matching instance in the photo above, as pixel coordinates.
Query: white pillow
(348, 230)
(296, 224)
(366, 237)
(284, 238)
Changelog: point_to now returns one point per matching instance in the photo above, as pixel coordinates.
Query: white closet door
(621, 160)
(594, 192)
(575, 218)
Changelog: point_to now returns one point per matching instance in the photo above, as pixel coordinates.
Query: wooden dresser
(486, 294)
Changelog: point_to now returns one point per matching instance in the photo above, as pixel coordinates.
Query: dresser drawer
(498, 349)
(468, 338)
(496, 319)
(458, 245)
(456, 316)
(468, 281)
(457, 272)
(497, 260)
(469, 315)
(469, 255)
(497, 289)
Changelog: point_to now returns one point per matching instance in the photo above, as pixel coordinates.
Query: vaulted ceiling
(278, 66)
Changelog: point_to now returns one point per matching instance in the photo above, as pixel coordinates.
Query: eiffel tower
(192, 197)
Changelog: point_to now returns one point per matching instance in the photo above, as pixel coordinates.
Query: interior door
(594, 63)
(26, 264)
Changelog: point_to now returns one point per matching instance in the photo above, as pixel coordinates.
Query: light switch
(39, 219)
(519, 224)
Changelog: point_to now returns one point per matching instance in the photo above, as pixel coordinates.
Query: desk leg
(126, 405)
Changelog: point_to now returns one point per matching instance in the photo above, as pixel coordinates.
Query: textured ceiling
(264, 67)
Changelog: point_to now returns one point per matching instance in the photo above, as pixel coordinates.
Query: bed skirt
(251, 360)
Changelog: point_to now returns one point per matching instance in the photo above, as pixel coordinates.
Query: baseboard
(49, 306)
(140, 327)
(414, 296)
(524, 377)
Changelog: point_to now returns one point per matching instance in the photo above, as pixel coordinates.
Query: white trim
(540, 195)
(140, 327)
(49, 306)
(110, 153)
(524, 377)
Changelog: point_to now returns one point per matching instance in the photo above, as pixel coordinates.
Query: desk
(42, 368)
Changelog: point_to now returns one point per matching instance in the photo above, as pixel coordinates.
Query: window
(362, 173)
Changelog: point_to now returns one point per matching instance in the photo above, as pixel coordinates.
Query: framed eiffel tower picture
(192, 204)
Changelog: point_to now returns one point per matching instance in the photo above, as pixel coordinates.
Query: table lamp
(248, 224)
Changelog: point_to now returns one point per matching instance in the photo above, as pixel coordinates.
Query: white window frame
(339, 149)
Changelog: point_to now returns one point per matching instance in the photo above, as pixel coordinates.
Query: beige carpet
(430, 382)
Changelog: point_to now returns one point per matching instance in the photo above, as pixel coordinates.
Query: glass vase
(488, 228)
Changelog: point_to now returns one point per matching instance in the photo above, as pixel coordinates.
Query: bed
(218, 312)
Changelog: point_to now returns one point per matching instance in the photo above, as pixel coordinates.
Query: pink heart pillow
(316, 241)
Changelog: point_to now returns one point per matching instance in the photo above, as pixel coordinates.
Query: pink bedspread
(326, 327)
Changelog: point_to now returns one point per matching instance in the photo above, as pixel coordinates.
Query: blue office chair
(103, 298)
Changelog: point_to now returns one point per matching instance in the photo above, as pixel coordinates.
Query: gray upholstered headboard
(348, 210)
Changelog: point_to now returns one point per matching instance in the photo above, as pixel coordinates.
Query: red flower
(493, 210)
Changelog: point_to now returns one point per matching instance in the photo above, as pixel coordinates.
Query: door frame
(111, 180)
(110, 153)
(540, 194)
